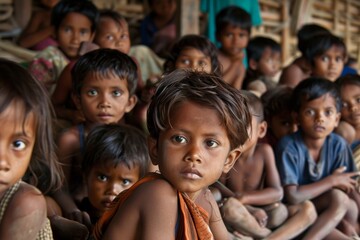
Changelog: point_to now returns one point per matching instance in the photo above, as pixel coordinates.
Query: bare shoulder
(26, 211)
(264, 152)
(69, 137)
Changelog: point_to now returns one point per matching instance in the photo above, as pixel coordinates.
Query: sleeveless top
(44, 234)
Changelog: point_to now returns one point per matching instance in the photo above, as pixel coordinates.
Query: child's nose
(115, 189)
(4, 164)
(194, 153)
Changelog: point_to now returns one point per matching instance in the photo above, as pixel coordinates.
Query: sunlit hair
(114, 144)
(197, 42)
(313, 88)
(16, 84)
(207, 90)
(104, 62)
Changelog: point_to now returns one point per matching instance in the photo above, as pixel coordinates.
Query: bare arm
(25, 215)
(291, 76)
(34, 33)
(235, 74)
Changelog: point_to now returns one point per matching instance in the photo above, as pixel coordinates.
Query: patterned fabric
(43, 234)
(193, 220)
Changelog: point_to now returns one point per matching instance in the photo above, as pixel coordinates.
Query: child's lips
(319, 128)
(191, 173)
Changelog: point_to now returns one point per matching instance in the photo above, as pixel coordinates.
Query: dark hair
(105, 62)
(198, 42)
(115, 16)
(257, 46)
(306, 32)
(319, 44)
(350, 79)
(313, 88)
(116, 144)
(256, 107)
(276, 101)
(205, 89)
(16, 83)
(84, 7)
(234, 16)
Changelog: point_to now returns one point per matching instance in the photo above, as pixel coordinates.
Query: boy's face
(319, 117)
(17, 142)
(74, 29)
(350, 112)
(113, 35)
(195, 150)
(282, 124)
(191, 58)
(104, 99)
(269, 63)
(105, 182)
(330, 64)
(164, 8)
(233, 40)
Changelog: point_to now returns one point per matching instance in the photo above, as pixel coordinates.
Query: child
(158, 28)
(326, 55)
(39, 32)
(260, 192)
(27, 152)
(264, 61)
(112, 32)
(196, 123)
(233, 28)
(104, 83)
(316, 164)
(300, 68)
(115, 157)
(74, 23)
(277, 112)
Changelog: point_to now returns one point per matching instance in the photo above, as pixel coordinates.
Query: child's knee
(308, 210)
(338, 201)
(277, 215)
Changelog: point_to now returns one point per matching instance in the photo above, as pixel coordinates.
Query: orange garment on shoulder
(193, 220)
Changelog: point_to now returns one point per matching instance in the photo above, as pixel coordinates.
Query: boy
(115, 157)
(197, 123)
(256, 183)
(233, 27)
(104, 83)
(264, 61)
(74, 23)
(316, 164)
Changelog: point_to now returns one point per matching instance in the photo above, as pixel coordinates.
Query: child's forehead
(121, 24)
(326, 100)
(76, 19)
(234, 27)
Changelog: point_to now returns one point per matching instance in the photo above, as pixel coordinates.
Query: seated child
(39, 33)
(112, 32)
(350, 67)
(255, 182)
(326, 55)
(158, 28)
(316, 164)
(115, 157)
(28, 167)
(196, 123)
(277, 113)
(264, 60)
(233, 27)
(300, 68)
(104, 83)
(74, 23)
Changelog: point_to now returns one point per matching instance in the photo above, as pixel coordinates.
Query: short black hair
(105, 62)
(116, 144)
(84, 7)
(350, 79)
(257, 46)
(306, 32)
(235, 16)
(313, 88)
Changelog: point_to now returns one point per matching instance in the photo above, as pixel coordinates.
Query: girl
(26, 154)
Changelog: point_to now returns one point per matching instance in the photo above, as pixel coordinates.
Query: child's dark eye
(18, 145)
(110, 37)
(329, 113)
(310, 112)
(179, 139)
(126, 182)
(357, 100)
(84, 32)
(92, 92)
(212, 144)
(325, 58)
(102, 178)
(117, 93)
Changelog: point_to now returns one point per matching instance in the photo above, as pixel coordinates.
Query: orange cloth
(193, 220)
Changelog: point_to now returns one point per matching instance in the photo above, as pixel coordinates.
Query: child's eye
(346, 105)
(18, 145)
(212, 144)
(116, 93)
(325, 58)
(242, 35)
(102, 178)
(185, 61)
(126, 182)
(202, 64)
(357, 100)
(338, 59)
(92, 92)
(124, 36)
(84, 32)
(286, 123)
(110, 37)
(310, 112)
(329, 113)
(179, 139)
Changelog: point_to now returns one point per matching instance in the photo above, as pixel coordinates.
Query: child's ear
(231, 159)
(152, 146)
(76, 100)
(262, 129)
(338, 117)
(252, 64)
(131, 103)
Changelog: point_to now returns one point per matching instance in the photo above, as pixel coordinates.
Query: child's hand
(344, 181)
(260, 216)
(79, 216)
